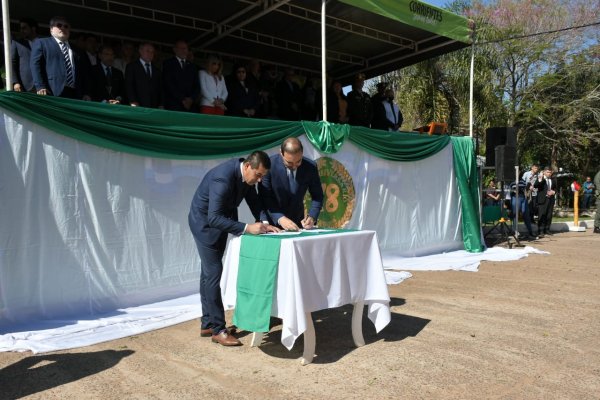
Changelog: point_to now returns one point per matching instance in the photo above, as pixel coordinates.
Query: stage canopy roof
(369, 36)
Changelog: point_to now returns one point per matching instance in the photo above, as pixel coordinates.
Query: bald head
(292, 146)
(291, 153)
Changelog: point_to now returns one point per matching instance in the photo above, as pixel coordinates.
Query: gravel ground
(524, 329)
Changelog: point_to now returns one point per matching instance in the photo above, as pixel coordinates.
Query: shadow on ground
(42, 372)
(333, 328)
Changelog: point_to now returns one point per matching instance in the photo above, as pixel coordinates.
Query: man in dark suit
(213, 214)
(108, 83)
(57, 68)
(180, 79)
(143, 80)
(546, 186)
(20, 52)
(289, 97)
(283, 190)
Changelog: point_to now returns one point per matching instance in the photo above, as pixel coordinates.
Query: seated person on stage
(283, 190)
(522, 206)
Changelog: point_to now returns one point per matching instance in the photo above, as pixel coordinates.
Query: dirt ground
(526, 329)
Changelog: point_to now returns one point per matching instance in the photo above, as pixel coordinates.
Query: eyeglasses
(60, 25)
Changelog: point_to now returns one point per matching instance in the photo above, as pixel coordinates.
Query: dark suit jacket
(147, 92)
(288, 100)
(49, 71)
(380, 119)
(99, 86)
(543, 190)
(277, 199)
(179, 83)
(20, 53)
(240, 99)
(213, 213)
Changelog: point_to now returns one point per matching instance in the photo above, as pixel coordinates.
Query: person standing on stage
(57, 68)
(213, 215)
(283, 190)
(546, 186)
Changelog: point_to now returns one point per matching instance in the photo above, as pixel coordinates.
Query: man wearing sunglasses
(57, 68)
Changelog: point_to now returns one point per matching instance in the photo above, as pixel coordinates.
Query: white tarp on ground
(61, 334)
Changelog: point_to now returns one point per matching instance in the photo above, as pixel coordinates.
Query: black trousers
(545, 211)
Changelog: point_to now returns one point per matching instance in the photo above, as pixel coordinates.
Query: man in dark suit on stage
(546, 186)
(20, 52)
(57, 68)
(180, 79)
(143, 80)
(108, 83)
(283, 190)
(213, 215)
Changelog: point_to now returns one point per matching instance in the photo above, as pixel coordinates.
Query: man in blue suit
(54, 73)
(20, 52)
(213, 214)
(283, 190)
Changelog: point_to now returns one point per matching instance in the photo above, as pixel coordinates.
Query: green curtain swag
(178, 135)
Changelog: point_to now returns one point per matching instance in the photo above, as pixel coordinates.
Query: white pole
(471, 90)
(323, 62)
(7, 59)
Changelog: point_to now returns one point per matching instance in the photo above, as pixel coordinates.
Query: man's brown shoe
(208, 332)
(225, 339)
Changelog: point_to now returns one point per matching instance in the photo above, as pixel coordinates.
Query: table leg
(309, 341)
(256, 339)
(357, 324)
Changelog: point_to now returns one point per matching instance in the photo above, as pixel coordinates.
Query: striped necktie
(68, 66)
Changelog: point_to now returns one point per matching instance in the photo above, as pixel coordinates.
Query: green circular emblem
(338, 194)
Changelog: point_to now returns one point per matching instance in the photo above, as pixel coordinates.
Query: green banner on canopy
(420, 15)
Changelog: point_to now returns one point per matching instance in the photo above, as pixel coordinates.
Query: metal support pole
(7, 40)
(471, 76)
(323, 62)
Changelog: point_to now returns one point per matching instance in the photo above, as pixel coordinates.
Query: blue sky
(437, 3)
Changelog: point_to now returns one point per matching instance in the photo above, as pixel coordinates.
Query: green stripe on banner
(257, 276)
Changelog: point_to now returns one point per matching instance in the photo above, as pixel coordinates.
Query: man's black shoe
(597, 229)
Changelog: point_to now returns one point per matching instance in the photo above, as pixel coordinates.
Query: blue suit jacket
(20, 53)
(277, 199)
(213, 213)
(49, 71)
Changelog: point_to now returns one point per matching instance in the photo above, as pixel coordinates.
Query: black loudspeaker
(495, 137)
(506, 157)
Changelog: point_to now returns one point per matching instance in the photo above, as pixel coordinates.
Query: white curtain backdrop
(86, 230)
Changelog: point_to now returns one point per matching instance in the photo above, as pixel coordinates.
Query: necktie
(182, 63)
(292, 182)
(549, 183)
(108, 73)
(148, 70)
(68, 66)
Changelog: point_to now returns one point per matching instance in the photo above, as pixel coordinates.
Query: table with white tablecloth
(318, 272)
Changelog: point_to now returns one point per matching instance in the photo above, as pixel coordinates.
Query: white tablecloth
(316, 273)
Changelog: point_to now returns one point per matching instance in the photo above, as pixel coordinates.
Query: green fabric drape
(176, 135)
(327, 137)
(467, 178)
(397, 147)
